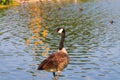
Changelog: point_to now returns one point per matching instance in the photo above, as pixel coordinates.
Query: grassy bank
(14, 3)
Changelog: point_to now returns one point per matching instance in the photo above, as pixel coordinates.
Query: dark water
(92, 40)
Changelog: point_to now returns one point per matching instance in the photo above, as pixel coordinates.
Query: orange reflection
(39, 31)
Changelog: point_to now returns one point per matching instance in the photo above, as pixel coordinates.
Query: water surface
(92, 40)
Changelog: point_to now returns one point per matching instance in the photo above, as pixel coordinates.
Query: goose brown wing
(54, 61)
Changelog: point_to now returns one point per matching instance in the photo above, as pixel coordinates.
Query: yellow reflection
(39, 31)
(44, 33)
(27, 42)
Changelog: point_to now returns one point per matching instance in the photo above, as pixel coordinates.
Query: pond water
(92, 39)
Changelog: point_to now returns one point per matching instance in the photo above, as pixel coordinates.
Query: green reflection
(75, 17)
(78, 24)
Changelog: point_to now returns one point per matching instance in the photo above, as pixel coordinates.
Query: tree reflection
(36, 25)
(45, 14)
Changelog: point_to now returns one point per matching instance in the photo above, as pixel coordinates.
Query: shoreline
(18, 2)
(29, 1)
(14, 3)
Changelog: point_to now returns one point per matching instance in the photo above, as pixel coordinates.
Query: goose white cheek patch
(60, 31)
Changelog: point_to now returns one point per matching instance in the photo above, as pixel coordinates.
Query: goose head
(60, 30)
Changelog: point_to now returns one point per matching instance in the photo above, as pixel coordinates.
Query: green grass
(9, 5)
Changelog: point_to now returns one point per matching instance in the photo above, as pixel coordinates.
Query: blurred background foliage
(5, 2)
(8, 3)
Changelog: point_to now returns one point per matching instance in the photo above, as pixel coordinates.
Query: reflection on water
(27, 34)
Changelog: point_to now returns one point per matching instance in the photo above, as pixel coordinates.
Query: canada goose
(56, 61)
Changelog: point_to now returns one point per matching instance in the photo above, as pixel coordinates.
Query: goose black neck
(61, 44)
